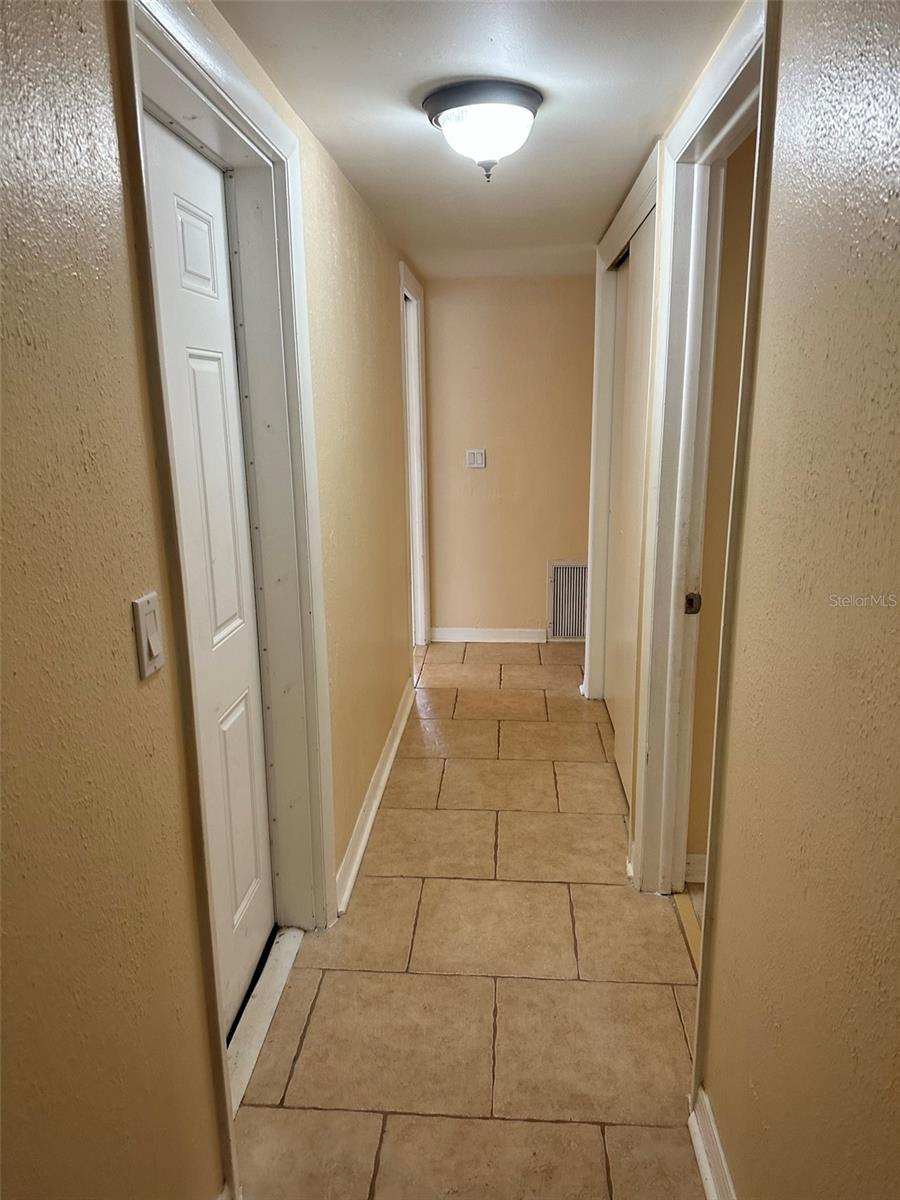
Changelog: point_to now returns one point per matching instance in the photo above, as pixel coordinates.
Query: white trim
(695, 868)
(451, 633)
(225, 1193)
(257, 1016)
(719, 113)
(412, 297)
(349, 868)
(637, 206)
(714, 1173)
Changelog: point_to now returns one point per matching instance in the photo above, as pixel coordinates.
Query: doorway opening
(412, 314)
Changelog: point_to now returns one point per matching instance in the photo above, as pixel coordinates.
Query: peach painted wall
(107, 1066)
(798, 1030)
(509, 367)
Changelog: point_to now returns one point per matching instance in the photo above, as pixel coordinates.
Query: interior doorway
(412, 314)
(730, 302)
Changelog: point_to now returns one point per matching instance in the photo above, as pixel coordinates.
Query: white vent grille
(566, 600)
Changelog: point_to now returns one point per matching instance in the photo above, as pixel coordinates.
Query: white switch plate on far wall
(475, 458)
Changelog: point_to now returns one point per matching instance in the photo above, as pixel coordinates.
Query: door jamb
(718, 115)
(413, 357)
(261, 158)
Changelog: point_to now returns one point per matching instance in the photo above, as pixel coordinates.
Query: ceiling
(613, 73)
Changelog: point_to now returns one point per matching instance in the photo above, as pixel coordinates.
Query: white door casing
(191, 262)
(634, 296)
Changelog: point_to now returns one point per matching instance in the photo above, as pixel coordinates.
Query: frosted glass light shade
(486, 132)
(484, 119)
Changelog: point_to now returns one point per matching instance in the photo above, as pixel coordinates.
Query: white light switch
(148, 634)
(475, 458)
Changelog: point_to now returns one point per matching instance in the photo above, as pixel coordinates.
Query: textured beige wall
(354, 287)
(726, 383)
(509, 366)
(107, 1077)
(799, 1027)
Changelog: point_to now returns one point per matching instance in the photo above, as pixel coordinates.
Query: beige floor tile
(413, 783)
(439, 1158)
(696, 892)
(569, 847)
(449, 739)
(273, 1066)
(572, 706)
(503, 652)
(420, 842)
(374, 934)
(686, 998)
(589, 1052)
(408, 1043)
(560, 678)
(287, 1154)
(498, 783)
(445, 652)
(629, 936)
(557, 654)
(565, 742)
(434, 703)
(498, 705)
(590, 788)
(459, 675)
(484, 927)
(608, 738)
(652, 1164)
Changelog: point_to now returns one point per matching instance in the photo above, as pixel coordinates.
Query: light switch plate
(476, 458)
(148, 634)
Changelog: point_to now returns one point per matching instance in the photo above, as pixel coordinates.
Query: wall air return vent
(566, 601)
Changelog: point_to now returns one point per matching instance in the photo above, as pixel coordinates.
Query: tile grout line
(447, 1116)
(496, 840)
(574, 931)
(415, 923)
(437, 799)
(377, 1163)
(494, 1049)
(606, 1162)
(556, 786)
(684, 1031)
(654, 983)
(303, 1032)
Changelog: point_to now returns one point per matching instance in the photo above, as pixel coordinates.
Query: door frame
(683, 179)
(718, 115)
(413, 358)
(172, 65)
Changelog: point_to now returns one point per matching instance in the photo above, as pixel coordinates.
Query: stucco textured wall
(799, 1034)
(509, 365)
(107, 1077)
(354, 289)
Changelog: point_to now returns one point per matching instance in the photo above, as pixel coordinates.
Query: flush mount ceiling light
(484, 119)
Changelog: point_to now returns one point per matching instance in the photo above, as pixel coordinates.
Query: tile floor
(498, 1016)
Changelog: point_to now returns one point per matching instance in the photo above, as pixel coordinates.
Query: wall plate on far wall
(476, 458)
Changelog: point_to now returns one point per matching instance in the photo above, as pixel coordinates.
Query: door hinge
(692, 603)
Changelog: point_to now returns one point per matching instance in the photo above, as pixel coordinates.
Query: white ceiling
(613, 73)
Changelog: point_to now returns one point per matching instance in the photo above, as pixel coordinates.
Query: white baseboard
(257, 1016)
(454, 634)
(349, 868)
(695, 868)
(717, 1181)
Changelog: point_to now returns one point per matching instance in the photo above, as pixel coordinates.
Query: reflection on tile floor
(498, 1016)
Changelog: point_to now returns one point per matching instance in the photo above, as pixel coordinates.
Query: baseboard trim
(349, 868)
(257, 1016)
(717, 1181)
(695, 868)
(454, 634)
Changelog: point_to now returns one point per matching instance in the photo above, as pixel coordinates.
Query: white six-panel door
(191, 263)
(628, 449)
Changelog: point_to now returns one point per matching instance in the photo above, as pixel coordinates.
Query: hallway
(498, 1015)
